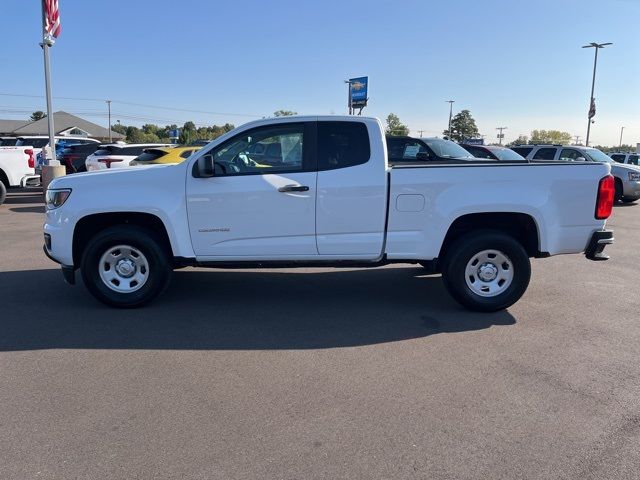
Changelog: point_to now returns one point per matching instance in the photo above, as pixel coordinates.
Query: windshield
(506, 154)
(597, 156)
(447, 149)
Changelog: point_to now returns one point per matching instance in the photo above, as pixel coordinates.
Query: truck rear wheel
(486, 271)
(3, 192)
(125, 266)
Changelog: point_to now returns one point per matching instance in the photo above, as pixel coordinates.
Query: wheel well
(520, 226)
(4, 179)
(90, 225)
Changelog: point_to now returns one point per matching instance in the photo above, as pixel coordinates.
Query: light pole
(592, 103)
(349, 82)
(621, 130)
(109, 107)
(450, 102)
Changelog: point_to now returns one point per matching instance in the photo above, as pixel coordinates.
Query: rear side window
(524, 151)
(634, 159)
(617, 157)
(544, 154)
(32, 142)
(478, 152)
(342, 144)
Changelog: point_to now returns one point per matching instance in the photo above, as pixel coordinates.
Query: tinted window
(524, 151)
(634, 159)
(33, 142)
(570, 155)
(187, 153)
(150, 155)
(281, 151)
(404, 149)
(135, 151)
(107, 151)
(447, 149)
(8, 142)
(478, 152)
(544, 154)
(617, 157)
(342, 144)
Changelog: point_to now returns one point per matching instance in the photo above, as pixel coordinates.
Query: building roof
(62, 122)
(8, 126)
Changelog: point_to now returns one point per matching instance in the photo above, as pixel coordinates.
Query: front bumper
(68, 272)
(595, 248)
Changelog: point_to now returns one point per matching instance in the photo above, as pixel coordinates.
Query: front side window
(571, 155)
(634, 160)
(618, 157)
(478, 152)
(342, 144)
(545, 154)
(262, 150)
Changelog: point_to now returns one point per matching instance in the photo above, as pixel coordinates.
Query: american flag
(52, 25)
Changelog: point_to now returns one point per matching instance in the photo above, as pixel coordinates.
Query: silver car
(627, 176)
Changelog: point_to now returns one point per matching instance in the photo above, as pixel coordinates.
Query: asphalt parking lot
(318, 373)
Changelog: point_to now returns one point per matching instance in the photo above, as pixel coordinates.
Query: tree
(284, 113)
(463, 126)
(550, 137)
(521, 140)
(37, 115)
(395, 126)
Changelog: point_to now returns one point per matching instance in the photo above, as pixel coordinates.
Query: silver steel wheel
(124, 269)
(489, 273)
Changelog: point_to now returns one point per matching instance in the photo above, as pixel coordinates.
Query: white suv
(629, 158)
(627, 176)
(117, 155)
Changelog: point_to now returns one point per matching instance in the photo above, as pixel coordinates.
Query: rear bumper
(595, 248)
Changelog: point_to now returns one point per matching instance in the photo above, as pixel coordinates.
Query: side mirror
(424, 156)
(581, 159)
(205, 166)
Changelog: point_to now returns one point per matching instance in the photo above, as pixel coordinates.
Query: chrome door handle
(293, 188)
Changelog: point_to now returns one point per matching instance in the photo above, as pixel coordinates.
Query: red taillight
(606, 194)
(109, 161)
(32, 161)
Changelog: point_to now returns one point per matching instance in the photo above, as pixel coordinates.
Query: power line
(158, 107)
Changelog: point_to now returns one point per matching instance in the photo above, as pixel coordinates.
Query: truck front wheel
(125, 266)
(486, 271)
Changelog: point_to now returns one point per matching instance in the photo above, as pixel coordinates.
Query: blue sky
(512, 63)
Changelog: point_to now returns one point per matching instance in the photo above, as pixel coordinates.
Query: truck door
(257, 206)
(351, 205)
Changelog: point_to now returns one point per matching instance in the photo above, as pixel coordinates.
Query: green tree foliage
(395, 126)
(621, 148)
(463, 126)
(37, 115)
(521, 140)
(550, 137)
(151, 133)
(284, 113)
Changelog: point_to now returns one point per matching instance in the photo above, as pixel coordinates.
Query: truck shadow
(238, 310)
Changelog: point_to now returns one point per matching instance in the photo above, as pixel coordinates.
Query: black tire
(618, 195)
(461, 255)
(3, 192)
(628, 200)
(142, 241)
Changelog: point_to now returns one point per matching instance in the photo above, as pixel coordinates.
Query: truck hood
(118, 177)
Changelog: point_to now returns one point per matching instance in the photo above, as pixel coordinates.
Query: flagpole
(47, 83)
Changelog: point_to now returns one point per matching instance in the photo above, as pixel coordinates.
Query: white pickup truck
(16, 168)
(319, 191)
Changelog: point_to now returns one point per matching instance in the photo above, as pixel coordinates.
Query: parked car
(493, 152)
(117, 155)
(74, 156)
(17, 166)
(627, 177)
(331, 200)
(629, 158)
(410, 149)
(151, 156)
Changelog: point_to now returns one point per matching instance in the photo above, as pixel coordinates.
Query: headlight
(634, 176)
(56, 198)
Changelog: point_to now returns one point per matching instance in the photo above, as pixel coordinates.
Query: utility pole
(348, 82)
(592, 102)
(420, 132)
(109, 107)
(621, 130)
(577, 139)
(450, 102)
(500, 135)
